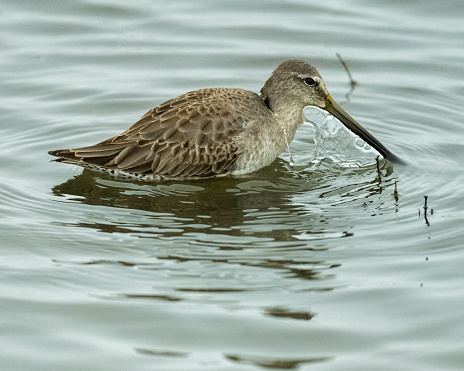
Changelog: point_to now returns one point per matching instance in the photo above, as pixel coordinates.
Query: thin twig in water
(425, 211)
(345, 66)
(378, 168)
(395, 193)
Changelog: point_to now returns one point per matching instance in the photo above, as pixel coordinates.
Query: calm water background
(294, 267)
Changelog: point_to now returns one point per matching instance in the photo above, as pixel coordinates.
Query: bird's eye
(310, 81)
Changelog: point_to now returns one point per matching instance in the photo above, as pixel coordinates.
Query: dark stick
(425, 211)
(345, 66)
(395, 193)
(378, 168)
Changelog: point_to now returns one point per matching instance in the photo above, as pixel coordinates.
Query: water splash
(336, 143)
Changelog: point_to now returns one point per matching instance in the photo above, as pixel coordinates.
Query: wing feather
(192, 135)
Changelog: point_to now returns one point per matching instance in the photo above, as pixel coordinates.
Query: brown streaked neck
(288, 114)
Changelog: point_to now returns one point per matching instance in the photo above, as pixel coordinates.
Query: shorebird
(218, 131)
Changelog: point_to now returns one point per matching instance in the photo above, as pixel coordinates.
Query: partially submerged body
(216, 131)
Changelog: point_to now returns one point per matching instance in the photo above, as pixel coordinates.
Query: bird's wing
(191, 135)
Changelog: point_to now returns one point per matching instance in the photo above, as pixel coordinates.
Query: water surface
(305, 266)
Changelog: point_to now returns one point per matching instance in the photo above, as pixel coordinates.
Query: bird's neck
(290, 117)
(288, 113)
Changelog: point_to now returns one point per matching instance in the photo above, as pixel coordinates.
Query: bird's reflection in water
(276, 203)
(279, 219)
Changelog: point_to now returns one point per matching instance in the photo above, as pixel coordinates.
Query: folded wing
(191, 135)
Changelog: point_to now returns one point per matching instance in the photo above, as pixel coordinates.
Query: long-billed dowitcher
(219, 130)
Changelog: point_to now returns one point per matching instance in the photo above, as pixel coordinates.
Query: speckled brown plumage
(191, 135)
(211, 131)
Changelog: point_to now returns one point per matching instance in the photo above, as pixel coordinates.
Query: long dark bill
(333, 108)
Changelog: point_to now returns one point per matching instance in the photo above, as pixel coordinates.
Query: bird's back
(191, 135)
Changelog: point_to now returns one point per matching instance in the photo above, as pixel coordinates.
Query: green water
(307, 267)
